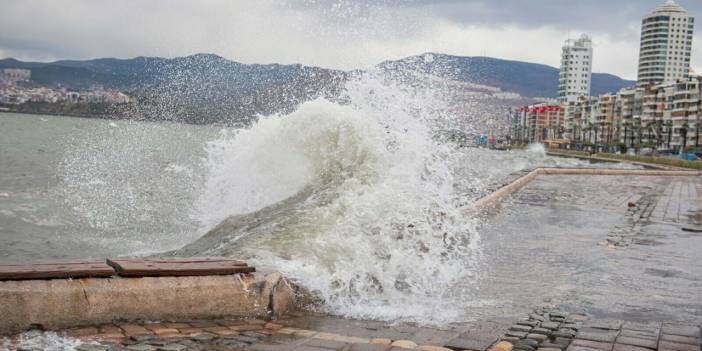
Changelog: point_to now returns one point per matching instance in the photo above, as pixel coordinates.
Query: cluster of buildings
(14, 92)
(662, 111)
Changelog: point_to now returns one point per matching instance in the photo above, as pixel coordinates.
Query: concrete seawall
(62, 303)
(496, 196)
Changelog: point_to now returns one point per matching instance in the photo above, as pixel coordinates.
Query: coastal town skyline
(330, 34)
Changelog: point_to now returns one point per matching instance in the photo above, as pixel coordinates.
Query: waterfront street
(620, 254)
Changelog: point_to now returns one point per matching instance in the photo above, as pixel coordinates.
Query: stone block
(468, 344)
(601, 337)
(681, 330)
(605, 324)
(580, 348)
(537, 337)
(431, 348)
(78, 332)
(520, 328)
(593, 344)
(327, 344)
(550, 325)
(543, 331)
(309, 348)
(676, 346)
(380, 341)
(502, 346)
(134, 329)
(405, 344)
(681, 339)
(369, 347)
(177, 325)
(624, 347)
(639, 334)
(517, 334)
(646, 343)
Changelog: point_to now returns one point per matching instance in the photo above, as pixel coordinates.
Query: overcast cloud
(337, 34)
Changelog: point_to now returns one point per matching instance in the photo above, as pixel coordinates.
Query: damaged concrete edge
(62, 303)
(495, 197)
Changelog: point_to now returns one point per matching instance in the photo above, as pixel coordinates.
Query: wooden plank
(60, 269)
(158, 267)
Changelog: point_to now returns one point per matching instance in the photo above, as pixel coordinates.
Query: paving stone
(110, 329)
(580, 348)
(309, 348)
(78, 332)
(541, 331)
(429, 336)
(647, 343)
(537, 317)
(605, 324)
(562, 341)
(511, 339)
(638, 334)
(524, 347)
(141, 347)
(245, 339)
(529, 342)
(681, 339)
(550, 325)
(681, 330)
(405, 344)
(676, 346)
(593, 344)
(230, 322)
(203, 337)
(517, 334)
(270, 347)
(537, 337)
(528, 322)
(203, 324)
(327, 344)
(601, 337)
(468, 344)
(651, 327)
(90, 347)
(177, 325)
(520, 328)
(552, 345)
(368, 347)
(380, 341)
(624, 347)
(548, 349)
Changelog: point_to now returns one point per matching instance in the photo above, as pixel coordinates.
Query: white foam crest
(392, 243)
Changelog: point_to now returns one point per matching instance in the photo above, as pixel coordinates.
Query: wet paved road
(609, 246)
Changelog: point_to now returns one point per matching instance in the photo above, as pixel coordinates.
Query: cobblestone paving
(545, 329)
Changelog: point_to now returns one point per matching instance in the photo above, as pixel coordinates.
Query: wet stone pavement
(545, 329)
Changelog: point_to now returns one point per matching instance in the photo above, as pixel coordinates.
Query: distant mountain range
(204, 88)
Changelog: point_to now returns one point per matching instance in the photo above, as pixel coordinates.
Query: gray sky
(335, 33)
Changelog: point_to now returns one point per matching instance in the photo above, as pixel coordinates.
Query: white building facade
(666, 44)
(576, 69)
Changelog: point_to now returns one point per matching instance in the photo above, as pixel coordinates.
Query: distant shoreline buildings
(15, 90)
(661, 112)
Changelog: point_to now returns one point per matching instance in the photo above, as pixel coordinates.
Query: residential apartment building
(666, 44)
(665, 116)
(576, 69)
(538, 123)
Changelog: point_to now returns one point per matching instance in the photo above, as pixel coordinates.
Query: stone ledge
(63, 303)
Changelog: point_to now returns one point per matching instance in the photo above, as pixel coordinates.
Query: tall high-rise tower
(666, 44)
(576, 69)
